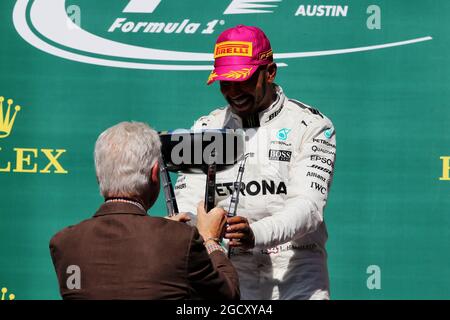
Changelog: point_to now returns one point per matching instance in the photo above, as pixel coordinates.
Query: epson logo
(280, 155)
(323, 160)
(252, 188)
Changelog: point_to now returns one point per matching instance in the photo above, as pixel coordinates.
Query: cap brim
(232, 73)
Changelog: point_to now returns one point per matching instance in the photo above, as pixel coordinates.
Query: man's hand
(180, 217)
(211, 224)
(240, 233)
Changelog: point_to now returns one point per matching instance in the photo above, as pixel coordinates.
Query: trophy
(205, 151)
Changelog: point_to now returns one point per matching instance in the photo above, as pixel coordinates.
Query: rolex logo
(6, 120)
(29, 159)
(5, 290)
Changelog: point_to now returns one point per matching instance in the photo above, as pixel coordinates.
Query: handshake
(215, 225)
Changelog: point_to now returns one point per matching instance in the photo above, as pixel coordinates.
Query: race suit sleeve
(303, 209)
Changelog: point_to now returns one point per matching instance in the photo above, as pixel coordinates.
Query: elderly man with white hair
(123, 253)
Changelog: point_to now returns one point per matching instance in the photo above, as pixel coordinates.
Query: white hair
(124, 156)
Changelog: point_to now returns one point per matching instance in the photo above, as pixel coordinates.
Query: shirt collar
(119, 208)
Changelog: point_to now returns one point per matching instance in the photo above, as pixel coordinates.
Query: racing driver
(278, 236)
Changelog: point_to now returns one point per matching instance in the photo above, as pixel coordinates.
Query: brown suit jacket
(123, 253)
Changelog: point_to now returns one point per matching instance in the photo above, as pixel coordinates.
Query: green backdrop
(389, 203)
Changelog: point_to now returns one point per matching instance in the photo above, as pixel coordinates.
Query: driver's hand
(240, 233)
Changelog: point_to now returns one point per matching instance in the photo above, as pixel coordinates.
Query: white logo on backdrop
(250, 6)
(53, 32)
(141, 6)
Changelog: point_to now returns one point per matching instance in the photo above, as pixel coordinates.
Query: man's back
(123, 253)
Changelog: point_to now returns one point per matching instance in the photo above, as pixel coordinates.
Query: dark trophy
(202, 152)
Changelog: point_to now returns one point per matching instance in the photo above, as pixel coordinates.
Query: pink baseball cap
(238, 53)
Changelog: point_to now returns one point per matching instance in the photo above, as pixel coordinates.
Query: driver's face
(249, 96)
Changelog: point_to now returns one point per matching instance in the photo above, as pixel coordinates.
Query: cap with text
(238, 53)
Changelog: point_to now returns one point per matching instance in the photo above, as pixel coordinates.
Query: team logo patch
(280, 155)
(329, 133)
(233, 48)
(282, 134)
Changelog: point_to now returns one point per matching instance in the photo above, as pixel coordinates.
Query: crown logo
(7, 122)
(11, 295)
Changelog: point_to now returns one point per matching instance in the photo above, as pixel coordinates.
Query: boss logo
(280, 155)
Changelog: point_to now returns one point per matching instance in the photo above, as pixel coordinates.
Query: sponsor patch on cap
(265, 55)
(237, 74)
(233, 48)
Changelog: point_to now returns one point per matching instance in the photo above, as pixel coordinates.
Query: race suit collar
(275, 108)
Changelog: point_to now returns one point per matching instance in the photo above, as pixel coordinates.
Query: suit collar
(119, 208)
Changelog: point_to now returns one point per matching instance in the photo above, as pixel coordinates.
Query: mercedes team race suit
(283, 195)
